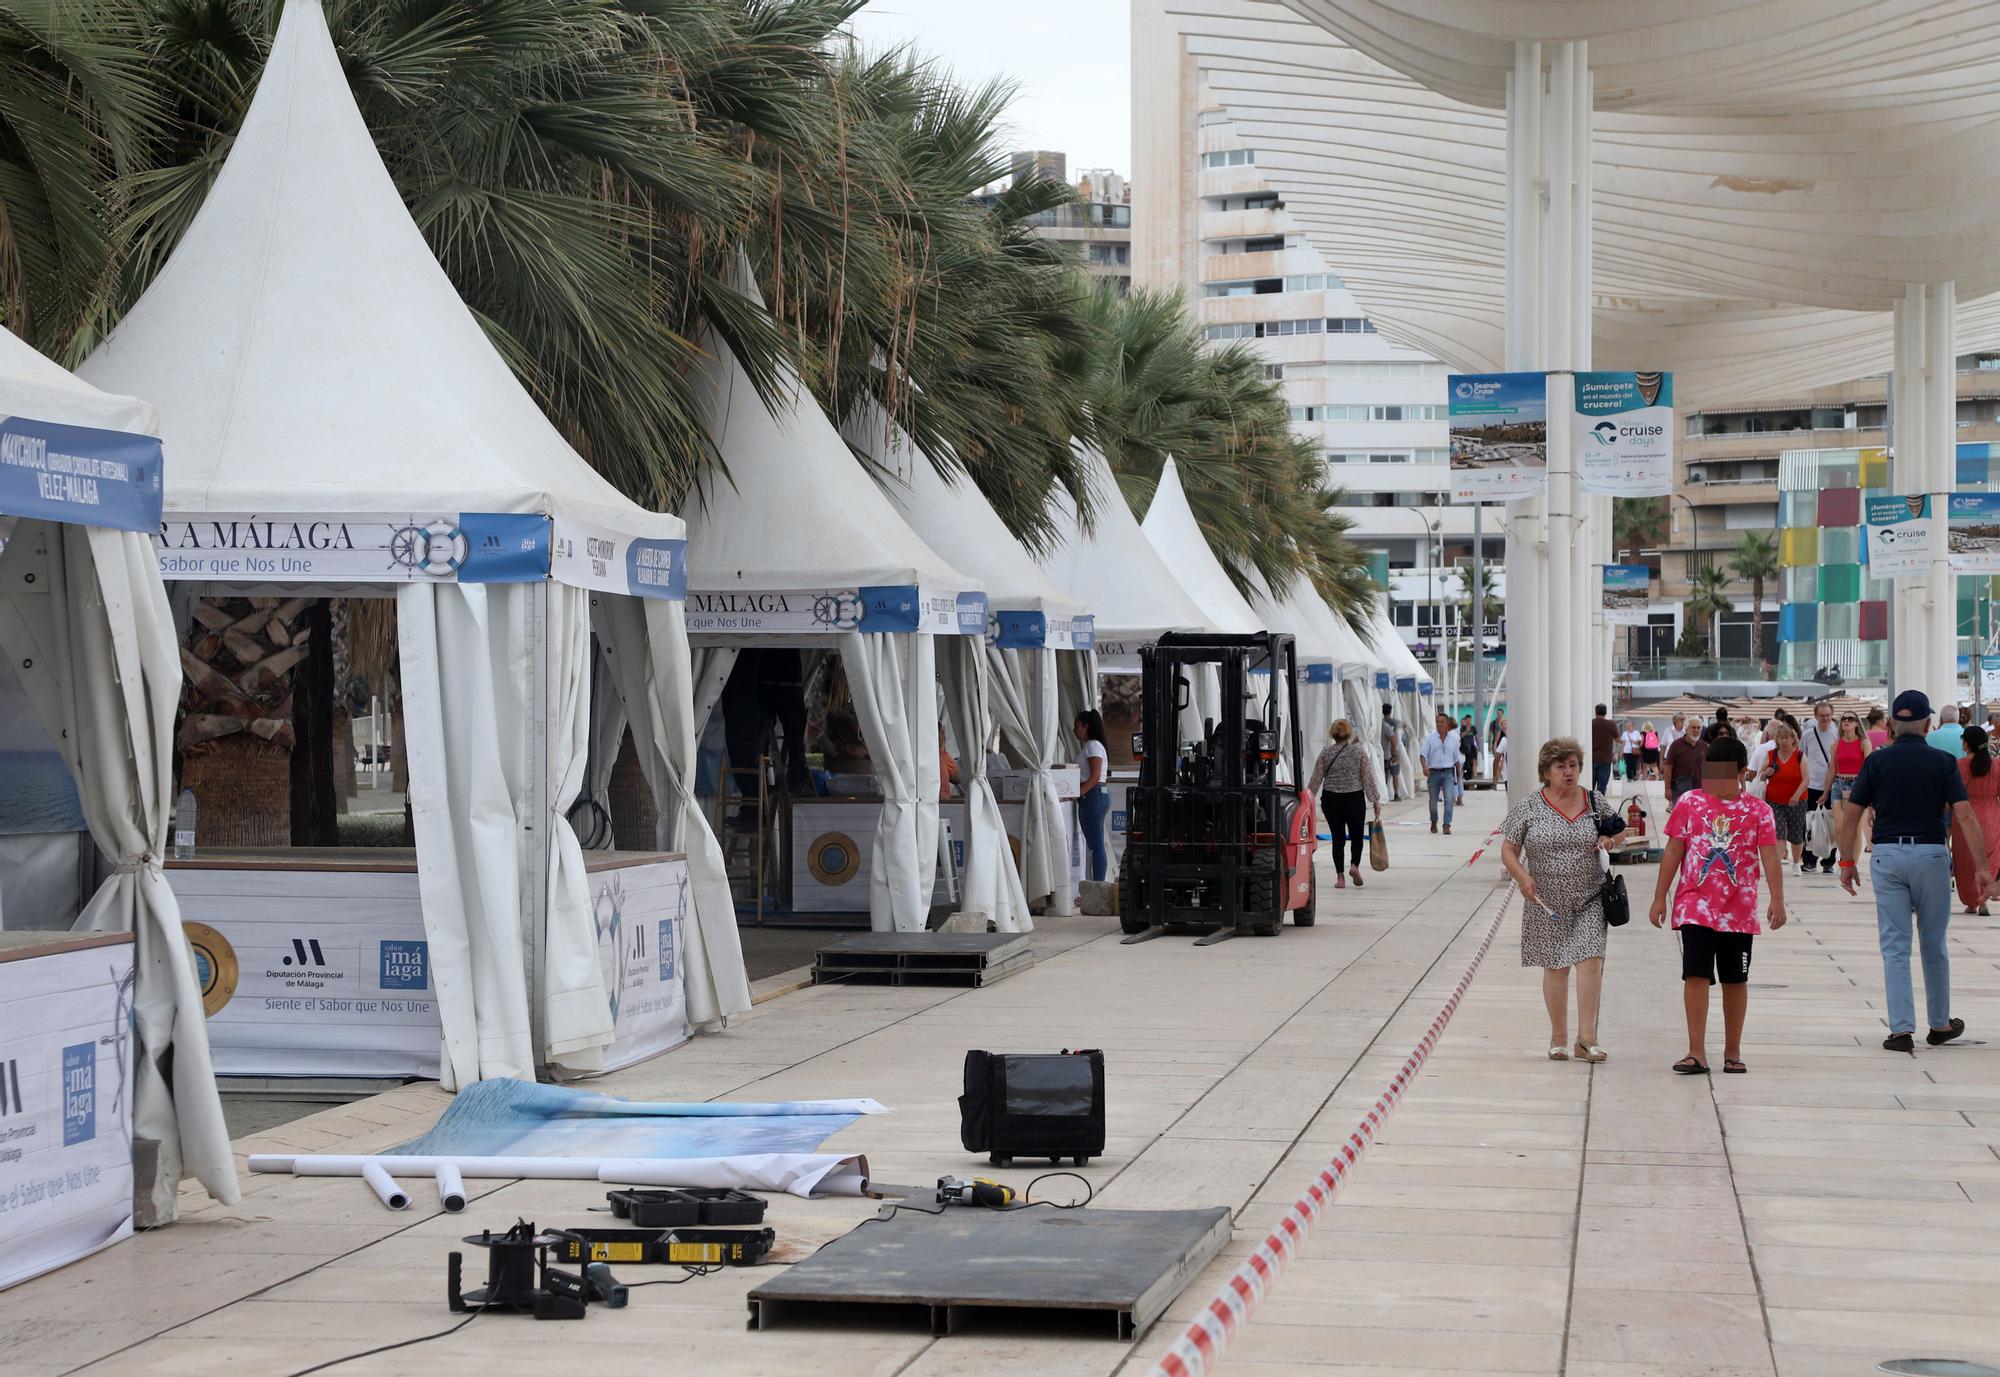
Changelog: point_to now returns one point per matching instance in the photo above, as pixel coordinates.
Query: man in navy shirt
(1916, 792)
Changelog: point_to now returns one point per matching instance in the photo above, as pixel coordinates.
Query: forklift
(1220, 833)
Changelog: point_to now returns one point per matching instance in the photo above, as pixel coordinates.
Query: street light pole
(1694, 554)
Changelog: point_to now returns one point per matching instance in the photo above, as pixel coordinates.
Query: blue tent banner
(1406, 684)
(79, 474)
(1381, 678)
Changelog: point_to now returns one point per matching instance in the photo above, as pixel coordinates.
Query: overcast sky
(1070, 58)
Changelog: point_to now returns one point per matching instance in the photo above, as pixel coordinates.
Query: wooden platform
(1128, 1265)
(971, 959)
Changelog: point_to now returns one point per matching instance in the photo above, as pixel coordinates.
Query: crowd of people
(1746, 799)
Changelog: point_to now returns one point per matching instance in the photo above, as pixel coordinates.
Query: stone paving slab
(1838, 1206)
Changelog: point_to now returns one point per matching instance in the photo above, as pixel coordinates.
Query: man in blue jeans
(1442, 760)
(1916, 792)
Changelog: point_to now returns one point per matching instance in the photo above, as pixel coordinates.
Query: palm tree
(1638, 523)
(1756, 562)
(1709, 601)
(77, 106)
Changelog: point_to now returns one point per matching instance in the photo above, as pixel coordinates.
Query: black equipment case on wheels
(1033, 1105)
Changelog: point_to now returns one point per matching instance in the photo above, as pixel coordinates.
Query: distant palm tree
(1710, 600)
(1756, 562)
(1638, 523)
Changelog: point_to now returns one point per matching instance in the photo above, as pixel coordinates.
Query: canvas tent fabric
(318, 363)
(1111, 568)
(780, 541)
(1171, 527)
(1301, 614)
(1014, 689)
(85, 621)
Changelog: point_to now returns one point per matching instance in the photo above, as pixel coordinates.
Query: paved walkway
(1836, 1207)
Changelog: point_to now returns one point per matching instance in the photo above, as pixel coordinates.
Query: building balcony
(1228, 267)
(1729, 492)
(1242, 224)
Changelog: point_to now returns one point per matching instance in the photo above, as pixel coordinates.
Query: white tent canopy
(331, 401)
(1115, 571)
(85, 622)
(1171, 527)
(795, 545)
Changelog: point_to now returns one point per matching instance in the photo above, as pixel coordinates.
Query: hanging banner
(584, 555)
(1499, 436)
(1623, 433)
(825, 612)
(1972, 532)
(79, 474)
(1899, 536)
(1628, 589)
(468, 547)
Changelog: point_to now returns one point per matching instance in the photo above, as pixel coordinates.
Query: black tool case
(1033, 1105)
(671, 1209)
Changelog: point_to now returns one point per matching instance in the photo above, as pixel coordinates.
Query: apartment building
(1098, 228)
(1768, 465)
(1205, 222)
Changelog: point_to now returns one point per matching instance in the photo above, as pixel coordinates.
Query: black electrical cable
(388, 1348)
(1089, 1191)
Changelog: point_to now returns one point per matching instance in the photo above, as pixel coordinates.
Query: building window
(1430, 456)
(1387, 458)
(1244, 286)
(1263, 200)
(1407, 412)
(1274, 372)
(1350, 325)
(1269, 243)
(1310, 282)
(1234, 157)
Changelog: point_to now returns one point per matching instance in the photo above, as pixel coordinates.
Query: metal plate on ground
(1127, 1264)
(922, 958)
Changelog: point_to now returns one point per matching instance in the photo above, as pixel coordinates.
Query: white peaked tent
(1305, 615)
(329, 393)
(1363, 672)
(1409, 685)
(1173, 531)
(1114, 571)
(1032, 625)
(85, 623)
(795, 545)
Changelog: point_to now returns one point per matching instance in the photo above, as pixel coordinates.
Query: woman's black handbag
(1611, 893)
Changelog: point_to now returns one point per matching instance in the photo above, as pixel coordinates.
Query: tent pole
(534, 826)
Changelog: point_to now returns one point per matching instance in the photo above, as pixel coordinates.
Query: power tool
(951, 1190)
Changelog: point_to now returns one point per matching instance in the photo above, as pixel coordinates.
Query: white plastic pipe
(384, 1186)
(803, 1174)
(451, 1188)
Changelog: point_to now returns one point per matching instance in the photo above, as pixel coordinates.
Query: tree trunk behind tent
(315, 802)
(236, 732)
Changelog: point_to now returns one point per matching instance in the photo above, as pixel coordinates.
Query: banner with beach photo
(1972, 532)
(1499, 436)
(1628, 590)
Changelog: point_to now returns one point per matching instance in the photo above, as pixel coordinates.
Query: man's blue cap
(1911, 706)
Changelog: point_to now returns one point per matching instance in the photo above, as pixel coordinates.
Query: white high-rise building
(1205, 221)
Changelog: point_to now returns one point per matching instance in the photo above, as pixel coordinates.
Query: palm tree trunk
(1757, 623)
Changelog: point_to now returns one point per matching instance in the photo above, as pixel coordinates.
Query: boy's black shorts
(1715, 956)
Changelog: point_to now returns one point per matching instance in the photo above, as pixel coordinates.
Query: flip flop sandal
(1735, 1068)
(1688, 1066)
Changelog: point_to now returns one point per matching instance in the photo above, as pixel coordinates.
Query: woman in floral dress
(1550, 845)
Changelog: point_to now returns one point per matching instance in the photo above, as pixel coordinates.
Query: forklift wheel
(1305, 915)
(1131, 911)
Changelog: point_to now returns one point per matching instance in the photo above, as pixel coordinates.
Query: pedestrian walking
(1817, 740)
(1784, 779)
(1684, 759)
(1468, 746)
(1877, 723)
(1950, 734)
(1918, 795)
(1850, 749)
(1720, 842)
(1628, 746)
(1649, 750)
(1603, 749)
(1442, 762)
(1550, 844)
(1982, 791)
(1500, 759)
(1344, 779)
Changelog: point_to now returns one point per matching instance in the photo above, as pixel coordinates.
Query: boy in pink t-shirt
(1719, 842)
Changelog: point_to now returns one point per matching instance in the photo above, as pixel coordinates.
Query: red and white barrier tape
(1224, 1317)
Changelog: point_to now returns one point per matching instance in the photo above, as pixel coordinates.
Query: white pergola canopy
(85, 623)
(1731, 234)
(315, 362)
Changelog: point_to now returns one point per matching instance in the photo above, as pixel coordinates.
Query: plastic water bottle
(184, 826)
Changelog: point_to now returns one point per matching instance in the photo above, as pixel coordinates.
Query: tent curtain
(607, 730)
(1078, 675)
(577, 1021)
(709, 667)
(1027, 701)
(466, 738)
(92, 638)
(645, 640)
(992, 888)
(894, 681)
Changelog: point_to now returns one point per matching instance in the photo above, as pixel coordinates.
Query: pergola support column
(1926, 446)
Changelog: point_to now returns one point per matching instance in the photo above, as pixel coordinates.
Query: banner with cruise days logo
(1899, 536)
(1623, 433)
